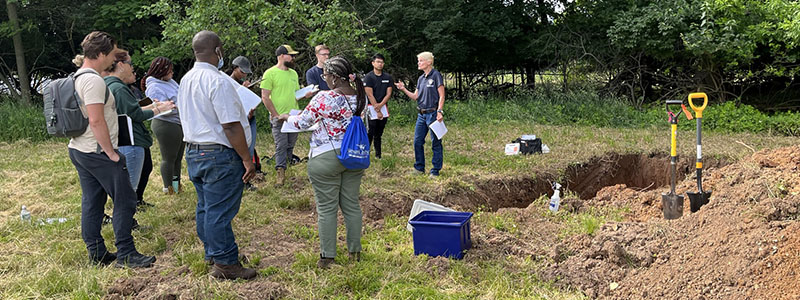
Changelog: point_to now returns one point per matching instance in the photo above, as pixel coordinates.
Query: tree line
(641, 51)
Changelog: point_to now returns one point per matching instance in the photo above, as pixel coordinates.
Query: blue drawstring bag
(355, 145)
(354, 154)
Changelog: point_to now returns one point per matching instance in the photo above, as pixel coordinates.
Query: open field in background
(276, 227)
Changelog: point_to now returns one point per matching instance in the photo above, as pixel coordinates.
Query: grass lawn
(276, 227)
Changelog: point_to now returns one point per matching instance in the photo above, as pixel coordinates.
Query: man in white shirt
(100, 167)
(216, 131)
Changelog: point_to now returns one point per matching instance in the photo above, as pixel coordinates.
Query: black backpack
(62, 108)
(529, 146)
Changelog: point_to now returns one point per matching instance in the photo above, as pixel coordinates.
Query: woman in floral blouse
(334, 185)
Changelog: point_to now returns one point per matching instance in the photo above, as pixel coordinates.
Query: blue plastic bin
(441, 233)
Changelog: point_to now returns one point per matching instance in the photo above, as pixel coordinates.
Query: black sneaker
(135, 260)
(107, 219)
(141, 205)
(105, 260)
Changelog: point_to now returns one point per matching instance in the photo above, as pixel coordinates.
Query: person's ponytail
(361, 96)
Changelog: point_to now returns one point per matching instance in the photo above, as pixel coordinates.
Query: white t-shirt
(208, 99)
(92, 90)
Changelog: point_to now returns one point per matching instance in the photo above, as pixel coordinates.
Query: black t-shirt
(379, 84)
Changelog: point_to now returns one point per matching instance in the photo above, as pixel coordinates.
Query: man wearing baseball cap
(277, 92)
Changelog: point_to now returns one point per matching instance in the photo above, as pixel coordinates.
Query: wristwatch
(440, 111)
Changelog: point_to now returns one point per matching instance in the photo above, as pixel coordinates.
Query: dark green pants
(170, 141)
(335, 186)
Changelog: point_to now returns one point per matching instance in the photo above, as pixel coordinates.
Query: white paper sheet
(512, 149)
(249, 99)
(288, 127)
(439, 129)
(302, 92)
(166, 112)
(373, 114)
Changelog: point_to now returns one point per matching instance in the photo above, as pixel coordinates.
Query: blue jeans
(216, 172)
(252, 147)
(134, 160)
(420, 131)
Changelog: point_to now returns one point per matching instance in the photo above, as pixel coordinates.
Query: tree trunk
(19, 52)
(530, 75)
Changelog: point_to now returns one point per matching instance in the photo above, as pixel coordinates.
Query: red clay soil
(744, 244)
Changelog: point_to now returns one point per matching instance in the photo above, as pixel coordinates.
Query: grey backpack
(62, 108)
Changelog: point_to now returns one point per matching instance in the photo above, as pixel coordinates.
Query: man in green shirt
(277, 92)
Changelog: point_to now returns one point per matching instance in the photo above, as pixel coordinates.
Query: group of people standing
(204, 118)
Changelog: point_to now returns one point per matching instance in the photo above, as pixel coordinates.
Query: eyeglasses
(293, 55)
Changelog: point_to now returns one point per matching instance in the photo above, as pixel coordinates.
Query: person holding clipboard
(378, 86)
(278, 87)
(136, 148)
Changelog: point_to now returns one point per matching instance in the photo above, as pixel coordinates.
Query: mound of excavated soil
(744, 244)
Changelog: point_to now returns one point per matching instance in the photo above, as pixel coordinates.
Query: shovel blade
(697, 200)
(672, 205)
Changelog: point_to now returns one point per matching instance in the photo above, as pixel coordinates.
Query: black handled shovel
(672, 203)
(696, 200)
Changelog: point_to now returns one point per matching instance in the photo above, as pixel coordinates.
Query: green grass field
(276, 227)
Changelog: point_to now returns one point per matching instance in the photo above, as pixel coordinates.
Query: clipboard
(125, 135)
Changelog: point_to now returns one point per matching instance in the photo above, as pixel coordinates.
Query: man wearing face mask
(216, 131)
(277, 92)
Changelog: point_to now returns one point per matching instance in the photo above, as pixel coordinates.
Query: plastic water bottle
(24, 214)
(555, 200)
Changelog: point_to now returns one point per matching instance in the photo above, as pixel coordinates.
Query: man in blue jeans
(430, 103)
(217, 133)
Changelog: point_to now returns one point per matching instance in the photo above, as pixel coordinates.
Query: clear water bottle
(555, 200)
(24, 214)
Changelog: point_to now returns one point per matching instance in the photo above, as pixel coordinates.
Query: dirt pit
(744, 244)
(640, 172)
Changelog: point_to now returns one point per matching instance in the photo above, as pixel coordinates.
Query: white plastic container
(420, 206)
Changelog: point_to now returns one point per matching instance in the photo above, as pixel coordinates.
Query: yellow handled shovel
(696, 200)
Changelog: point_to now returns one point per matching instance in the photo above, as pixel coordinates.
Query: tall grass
(539, 106)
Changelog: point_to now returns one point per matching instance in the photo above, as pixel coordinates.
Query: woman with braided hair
(334, 185)
(159, 85)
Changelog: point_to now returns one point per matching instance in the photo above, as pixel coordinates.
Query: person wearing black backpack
(101, 168)
(334, 184)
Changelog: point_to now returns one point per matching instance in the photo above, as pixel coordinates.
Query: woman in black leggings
(159, 85)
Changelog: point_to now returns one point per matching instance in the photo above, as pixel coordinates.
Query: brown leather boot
(168, 190)
(232, 272)
(281, 177)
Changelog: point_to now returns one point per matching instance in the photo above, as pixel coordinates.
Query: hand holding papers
(288, 127)
(439, 129)
(163, 113)
(299, 94)
(373, 114)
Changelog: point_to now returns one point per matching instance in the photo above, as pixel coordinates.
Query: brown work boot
(234, 271)
(324, 262)
(281, 177)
